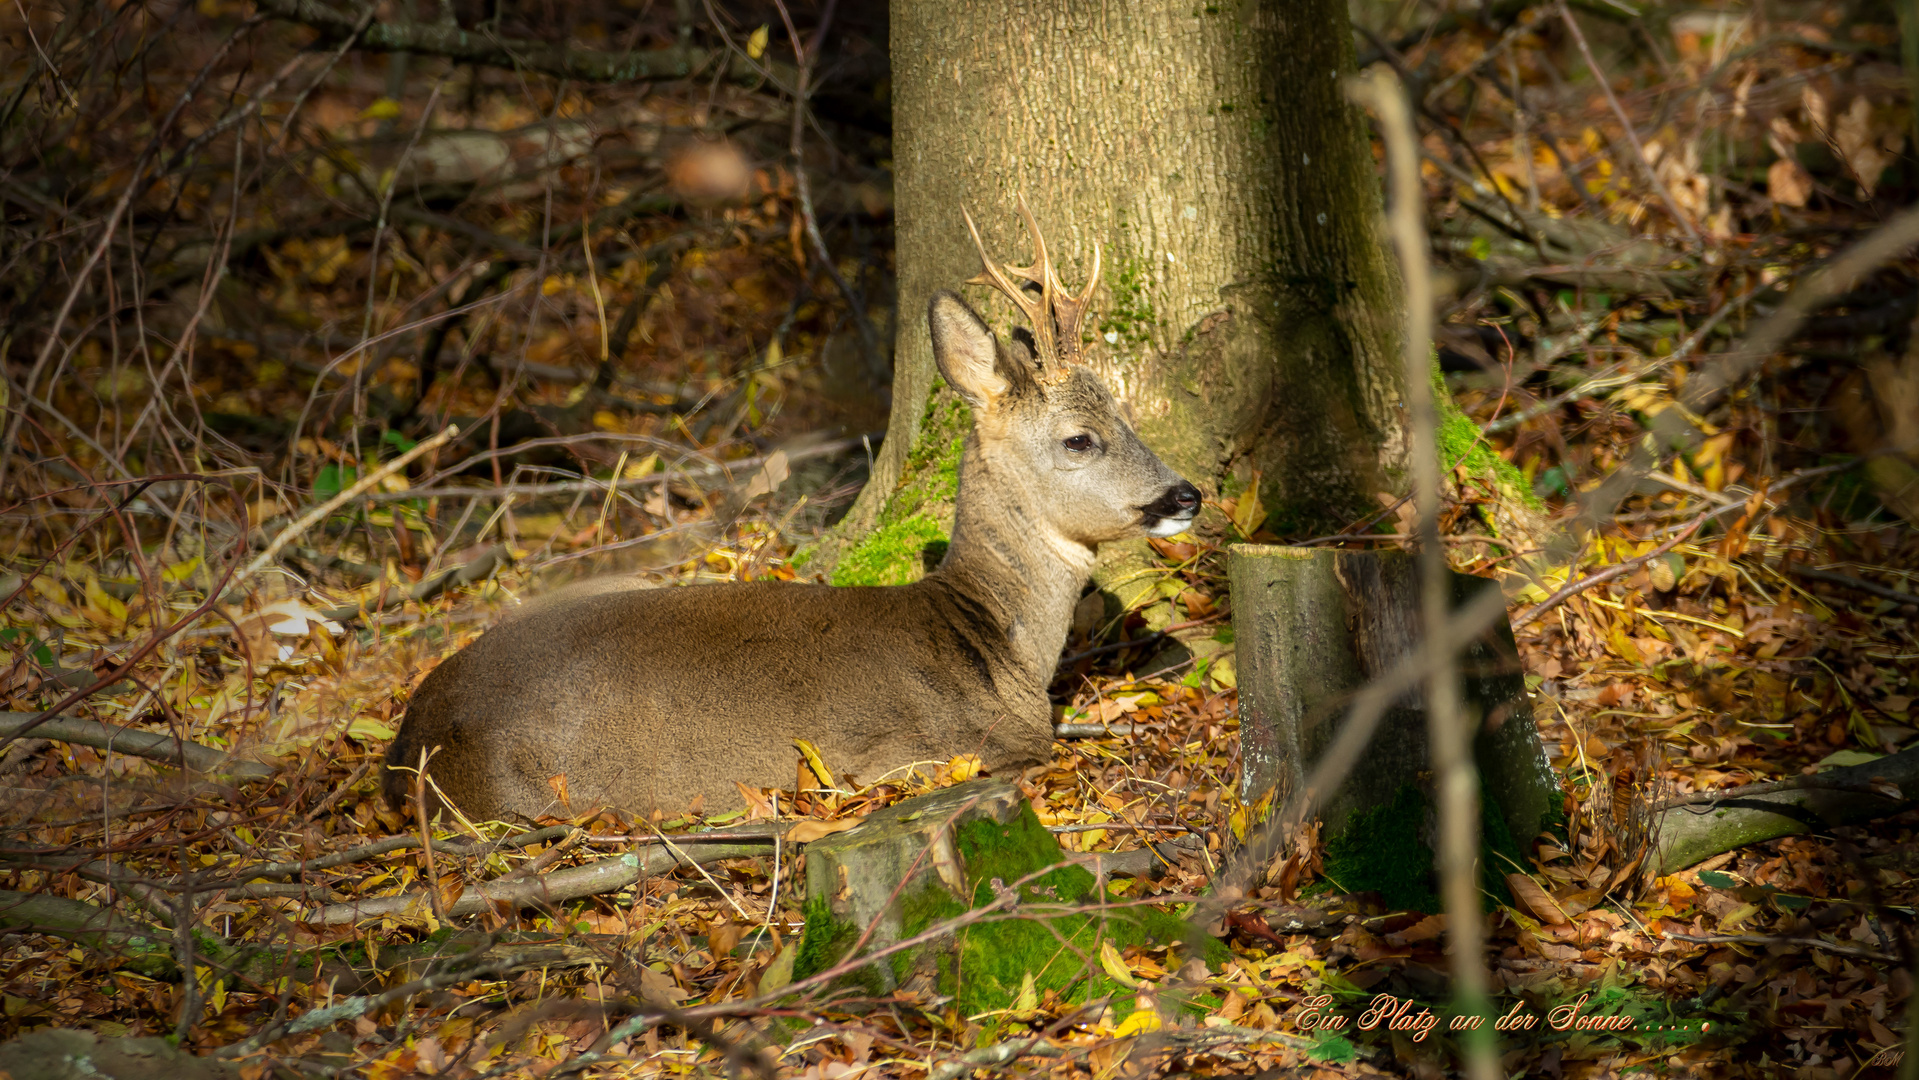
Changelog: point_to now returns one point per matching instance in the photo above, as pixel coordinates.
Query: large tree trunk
(1250, 310)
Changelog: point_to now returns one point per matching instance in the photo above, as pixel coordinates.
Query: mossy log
(1313, 626)
(930, 861)
(1690, 834)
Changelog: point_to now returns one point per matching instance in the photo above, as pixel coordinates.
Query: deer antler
(1056, 316)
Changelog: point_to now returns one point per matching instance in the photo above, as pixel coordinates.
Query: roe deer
(650, 698)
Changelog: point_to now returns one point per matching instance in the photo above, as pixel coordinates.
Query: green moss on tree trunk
(1386, 850)
(914, 525)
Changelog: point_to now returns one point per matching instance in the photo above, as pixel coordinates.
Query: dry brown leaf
(1866, 151)
(1788, 183)
(723, 936)
(811, 829)
(657, 989)
(451, 886)
(1425, 929)
(758, 808)
(1536, 900)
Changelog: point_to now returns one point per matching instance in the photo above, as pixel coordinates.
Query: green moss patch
(1459, 443)
(1384, 850)
(1129, 313)
(988, 962)
(892, 554)
(824, 942)
(914, 526)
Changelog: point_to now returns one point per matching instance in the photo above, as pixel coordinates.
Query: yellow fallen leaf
(1027, 1002)
(811, 829)
(382, 109)
(1141, 1021)
(1731, 919)
(1224, 673)
(1248, 513)
(963, 768)
(110, 609)
(366, 729)
(815, 762)
(180, 571)
(1115, 966)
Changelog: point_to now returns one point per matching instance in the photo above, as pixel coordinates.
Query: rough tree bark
(1249, 314)
(1315, 626)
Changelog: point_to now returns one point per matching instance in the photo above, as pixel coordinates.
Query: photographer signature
(1890, 1057)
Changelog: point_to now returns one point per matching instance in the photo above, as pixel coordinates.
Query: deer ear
(964, 348)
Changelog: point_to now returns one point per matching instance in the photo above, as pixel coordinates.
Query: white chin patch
(1169, 527)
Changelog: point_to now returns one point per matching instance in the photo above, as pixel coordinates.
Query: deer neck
(1020, 575)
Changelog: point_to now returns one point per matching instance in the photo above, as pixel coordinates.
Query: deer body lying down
(651, 698)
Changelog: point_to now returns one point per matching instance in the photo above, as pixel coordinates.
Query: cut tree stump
(929, 860)
(1313, 626)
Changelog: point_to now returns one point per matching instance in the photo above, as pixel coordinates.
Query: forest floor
(695, 349)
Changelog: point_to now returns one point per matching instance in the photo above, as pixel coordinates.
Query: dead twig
(318, 514)
(456, 43)
(591, 879)
(1809, 292)
(1807, 942)
(1616, 570)
(1632, 134)
(426, 589)
(1457, 779)
(1617, 376)
(575, 487)
(144, 744)
(1857, 583)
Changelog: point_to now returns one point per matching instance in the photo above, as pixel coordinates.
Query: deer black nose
(1179, 501)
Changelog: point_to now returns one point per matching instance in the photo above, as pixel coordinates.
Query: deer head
(1048, 432)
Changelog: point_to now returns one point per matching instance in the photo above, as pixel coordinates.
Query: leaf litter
(1779, 644)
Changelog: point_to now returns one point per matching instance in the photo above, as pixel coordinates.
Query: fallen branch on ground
(574, 487)
(149, 950)
(425, 589)
(1805, 942)
(1809, 292)
(1732, 819)
(1847, 580)
(572, 883)
(318, 514)
(518, 54)
(145, 949)
(399, 843)
(145, 744)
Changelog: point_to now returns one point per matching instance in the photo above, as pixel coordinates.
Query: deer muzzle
(1172, 512)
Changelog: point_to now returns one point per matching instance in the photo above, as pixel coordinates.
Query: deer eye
(1079, 444)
